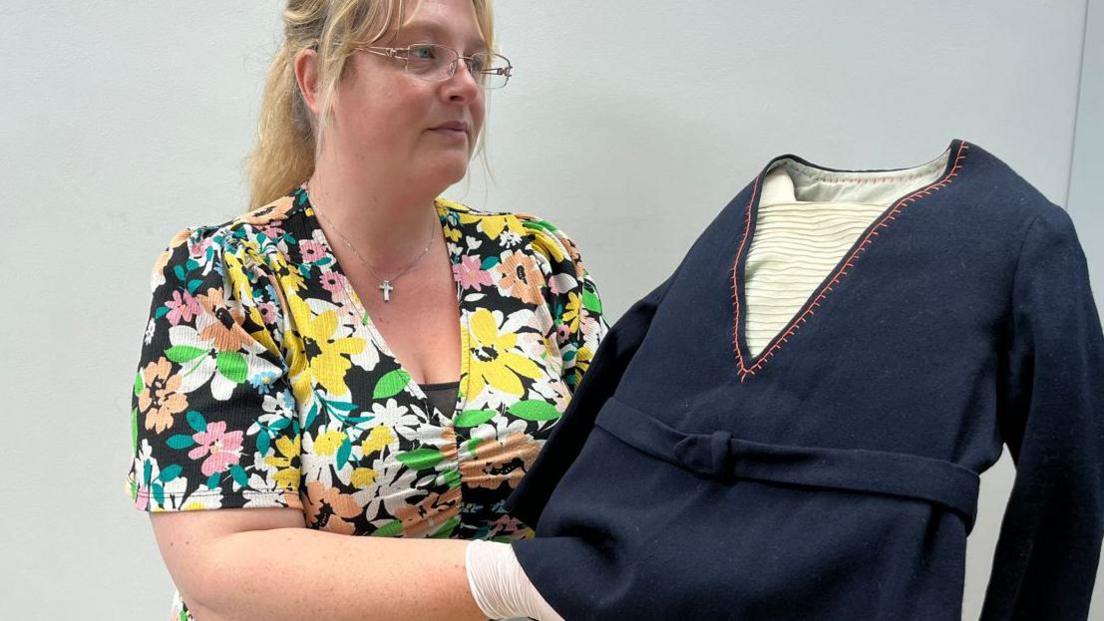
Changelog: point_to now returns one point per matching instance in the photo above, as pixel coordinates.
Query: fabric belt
(725, 458)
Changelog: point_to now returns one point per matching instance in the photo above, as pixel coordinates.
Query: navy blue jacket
(835, 474)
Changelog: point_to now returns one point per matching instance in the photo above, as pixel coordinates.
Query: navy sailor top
(834, 473)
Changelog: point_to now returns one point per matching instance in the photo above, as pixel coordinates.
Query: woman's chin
(450, 172)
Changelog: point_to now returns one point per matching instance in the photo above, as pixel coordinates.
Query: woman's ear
(305, 66)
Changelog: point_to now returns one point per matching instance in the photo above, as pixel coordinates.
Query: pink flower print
(272, 231)
(222, 449)
(311, 250)
(334, 283)
(199, 251)
(182, 307)
(563, 332)
(470, 275)
(268, 311)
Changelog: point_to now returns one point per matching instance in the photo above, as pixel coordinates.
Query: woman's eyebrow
(433, 29)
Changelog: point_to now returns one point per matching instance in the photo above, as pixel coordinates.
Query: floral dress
(264, 383)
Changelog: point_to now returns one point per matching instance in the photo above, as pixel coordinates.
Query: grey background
(629, 124)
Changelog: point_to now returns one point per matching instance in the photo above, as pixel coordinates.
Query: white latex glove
(500, 587)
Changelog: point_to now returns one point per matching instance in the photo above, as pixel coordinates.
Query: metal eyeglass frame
(402, 53)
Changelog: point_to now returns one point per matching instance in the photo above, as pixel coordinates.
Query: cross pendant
(387, 288)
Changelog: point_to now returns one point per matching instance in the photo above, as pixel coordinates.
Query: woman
(356, 356)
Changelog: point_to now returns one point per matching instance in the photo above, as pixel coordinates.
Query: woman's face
(416, 132)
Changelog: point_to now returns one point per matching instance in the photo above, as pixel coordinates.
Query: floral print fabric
(263, 382)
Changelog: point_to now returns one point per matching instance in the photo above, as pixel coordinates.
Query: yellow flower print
(363, 477)
(324, 351)
(297, 367)
(452, 234)
(328, 442)
(571, 312)
(287, 476)
(491, 225)
(380, 437)
(495, 358)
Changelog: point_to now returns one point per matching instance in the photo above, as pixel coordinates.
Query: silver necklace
(387, 285)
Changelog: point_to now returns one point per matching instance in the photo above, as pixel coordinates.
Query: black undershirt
(443, 396)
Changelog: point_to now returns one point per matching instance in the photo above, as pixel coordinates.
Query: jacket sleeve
(572, 430)
(1053, 424)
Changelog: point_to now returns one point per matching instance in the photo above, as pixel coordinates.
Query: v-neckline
(365, 319)
(748, 365)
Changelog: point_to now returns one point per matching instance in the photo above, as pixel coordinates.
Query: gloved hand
(500, 587)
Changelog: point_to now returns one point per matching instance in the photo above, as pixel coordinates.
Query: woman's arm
(265, 564)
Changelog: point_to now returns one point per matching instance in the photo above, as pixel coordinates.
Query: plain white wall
(629, 124)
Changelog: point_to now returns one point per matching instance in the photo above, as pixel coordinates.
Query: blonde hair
(287, 132)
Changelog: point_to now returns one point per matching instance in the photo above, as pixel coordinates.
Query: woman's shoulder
(247, 236)
(244, 249)
(513, 228)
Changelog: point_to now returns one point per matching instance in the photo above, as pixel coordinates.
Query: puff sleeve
(213, 417)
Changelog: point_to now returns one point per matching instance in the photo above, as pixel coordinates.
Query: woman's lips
(448, 132)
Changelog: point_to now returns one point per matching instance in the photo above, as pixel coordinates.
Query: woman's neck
(388, 222)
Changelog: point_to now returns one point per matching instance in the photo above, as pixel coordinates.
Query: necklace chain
(386, 284)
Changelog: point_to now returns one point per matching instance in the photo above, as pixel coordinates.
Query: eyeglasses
(436, 63)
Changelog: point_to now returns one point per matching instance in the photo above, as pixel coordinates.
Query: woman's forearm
(301, 573)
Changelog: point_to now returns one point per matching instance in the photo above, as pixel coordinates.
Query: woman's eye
(478, 63)
(423, 52)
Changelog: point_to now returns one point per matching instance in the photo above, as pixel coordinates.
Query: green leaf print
(213, 481)
(161, 312)
(232, 366)
(343, 406)
(138, 385)
(391, 384)
(239, 475)
(451, 478)
(489, 262)
(180, 441)
(170, 472)
(179, 271)
(534, 410)
(343, 452)
(390, 529)
(193, 285)
(421, 459)
(159, 494)
(354, 420)
(183, 353)
(196, 421)
(473, 418)
(134, 429)
(263, 442)
(591, 301)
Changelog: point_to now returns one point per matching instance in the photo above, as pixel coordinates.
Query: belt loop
(720, 455)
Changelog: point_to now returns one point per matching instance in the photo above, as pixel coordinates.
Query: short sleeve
(573, 298)
(213, 418)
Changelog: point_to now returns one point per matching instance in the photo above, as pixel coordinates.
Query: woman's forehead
(444, 19)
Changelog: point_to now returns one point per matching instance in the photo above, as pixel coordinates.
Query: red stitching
(746, 372)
